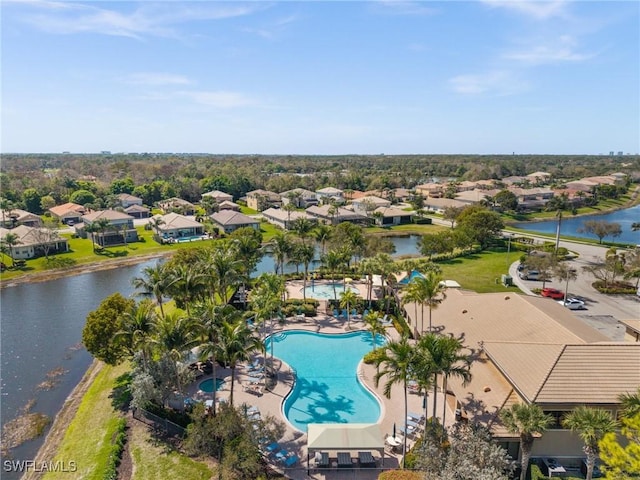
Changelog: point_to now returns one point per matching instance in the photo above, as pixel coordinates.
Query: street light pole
(508, 250)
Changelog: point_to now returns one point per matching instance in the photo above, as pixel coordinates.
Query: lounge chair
(322, 460)
(344, 313)
(291, 461)
(354, 314)
(272, 447)
(344, 460)
(416, 417)
(386, 320)
(336, 314)
(366, 460)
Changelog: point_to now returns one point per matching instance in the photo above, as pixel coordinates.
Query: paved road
(602, 311)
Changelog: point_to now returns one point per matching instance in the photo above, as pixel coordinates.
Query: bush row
(117, 448)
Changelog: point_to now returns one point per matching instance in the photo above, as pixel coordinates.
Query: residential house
(68, 213)
(120, 229)
(474, 196)
(528, 350)
(387, 216)
(219, 196)
(300, 198)
(173, 226)
(262, 199)
(439, 205)
(228, 205)
(537, 178)
(330, 195)
(137, 211)
(366, 205)
(583, 185)
(532, 198)
(126, 200)
(605, 180)
(32, 241)
(433, 190)
(283, 218)
(228, 221)
(16, 216)
(333, 215)
(176, 204)
(465, 186)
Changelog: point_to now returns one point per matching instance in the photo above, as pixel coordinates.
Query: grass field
(480, 272)
(87, 440)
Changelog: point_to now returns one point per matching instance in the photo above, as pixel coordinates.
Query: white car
(572, 303)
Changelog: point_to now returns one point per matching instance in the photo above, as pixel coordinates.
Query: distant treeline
(158, 176)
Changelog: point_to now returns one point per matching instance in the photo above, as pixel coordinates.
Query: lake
(571, 225)
(41, 331)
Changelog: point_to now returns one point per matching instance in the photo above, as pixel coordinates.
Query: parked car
(552, 293)
(529, 274)
(572, 303)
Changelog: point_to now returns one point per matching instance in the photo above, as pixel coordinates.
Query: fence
(163, 425)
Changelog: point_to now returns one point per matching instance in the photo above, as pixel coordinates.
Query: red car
(552, 293)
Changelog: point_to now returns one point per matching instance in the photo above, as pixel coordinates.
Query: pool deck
(294, 441)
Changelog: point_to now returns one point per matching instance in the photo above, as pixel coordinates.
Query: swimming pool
(327, 389)
(207, 385)
(324, 291)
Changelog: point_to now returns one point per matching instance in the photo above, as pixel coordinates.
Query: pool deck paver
(294, 441)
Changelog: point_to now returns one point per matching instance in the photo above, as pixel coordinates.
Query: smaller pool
(408, 279)
(190, 239)
(207, 385)
(324, 291)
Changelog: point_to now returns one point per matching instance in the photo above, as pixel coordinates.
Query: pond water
(571, 225)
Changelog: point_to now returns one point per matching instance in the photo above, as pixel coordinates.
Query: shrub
(371, 357)
(400, 475)
(619, 288)
(117, 447)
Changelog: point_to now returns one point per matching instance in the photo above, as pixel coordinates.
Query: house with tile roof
(228, 221)
(174, 226)
(119, 231)
(32, 241)
(137, 211)
(530, 349)
(330, 195)
(178, 205)
(68, 213)
(283, 218)
(333, 215)
(365, 205)
(16, 216)
(126, 200)
(262, 199)
(300, 197)
(387, 216)
(219, 196)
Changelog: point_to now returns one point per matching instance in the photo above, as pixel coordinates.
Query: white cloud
(563, 50)
(219, 99)
(154, 19)
(499, 83)
(156, 78)
(538, 9)
(402, 7)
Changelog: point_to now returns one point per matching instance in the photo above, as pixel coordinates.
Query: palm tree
(92, 229)
(413, 294)
(397, 360)
(384, 265)
(155, 282)
(186, 284)
(175, 334)
(591, 424)
(322, 234)
(452, 363)
(302, 227)
(333, 260)
(348, 298)
(565, 273)
(101, 225)
(155, 223)
(433, 291)
(374, 325)
(211, 317)
(630, 403)
(236, 343)
(527, 421)
(305, 253)
(137, 329)
(225, 269)
(281, 249)
(266, 299)
(10, 240)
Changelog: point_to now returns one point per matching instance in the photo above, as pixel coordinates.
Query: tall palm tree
(137, 329)
(413, 294)
(527, 421)
(591, 424)
(453, 363)
(186, 284)
(333, 260)
(374, 326)
(92, 229)
(281, 249)
(348, 298)
(396, 362)
(175, 334)
(10, 240)
(302, 227)
(154, 282)
(630, 403)
(433, 291)
(211, 318)
(305, 253)
(236, 343)
(266, 300)
(322, 235)
(101, 225)
(384, 265)
(225, 270)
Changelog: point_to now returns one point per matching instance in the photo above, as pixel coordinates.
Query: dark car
(552, 293)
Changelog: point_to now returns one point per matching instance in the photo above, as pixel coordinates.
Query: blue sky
(541, 77)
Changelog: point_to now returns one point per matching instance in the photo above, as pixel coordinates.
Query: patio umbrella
(424, 401)
(394, 430)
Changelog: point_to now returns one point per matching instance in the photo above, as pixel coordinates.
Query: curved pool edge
(294, 374)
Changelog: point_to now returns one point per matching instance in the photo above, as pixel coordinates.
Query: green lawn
(480, 271)
(248, 211)
(87, 440)
(410, 228)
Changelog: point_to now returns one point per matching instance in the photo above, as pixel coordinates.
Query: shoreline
(49, 449)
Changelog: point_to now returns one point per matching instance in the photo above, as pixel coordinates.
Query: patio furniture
(291, 461)
(272, 447)
(344, 460)
(322, 460)
(416, 417)
(366, 460)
